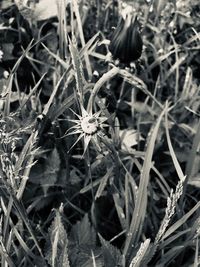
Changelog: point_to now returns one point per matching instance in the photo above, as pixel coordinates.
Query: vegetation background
(99, 161)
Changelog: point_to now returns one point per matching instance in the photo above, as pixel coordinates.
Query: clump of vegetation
(100, 133)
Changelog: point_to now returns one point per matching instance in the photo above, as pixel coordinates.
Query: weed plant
(99, 156)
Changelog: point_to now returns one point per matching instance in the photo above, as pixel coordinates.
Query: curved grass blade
(141, 201)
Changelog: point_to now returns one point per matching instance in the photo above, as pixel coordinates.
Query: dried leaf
(129, 138)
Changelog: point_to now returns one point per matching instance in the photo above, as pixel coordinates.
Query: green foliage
(57, 254)
(49, 174)
(99, 159)
(83, 244)
(112, 256)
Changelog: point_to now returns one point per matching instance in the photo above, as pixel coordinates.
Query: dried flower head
(89, 127)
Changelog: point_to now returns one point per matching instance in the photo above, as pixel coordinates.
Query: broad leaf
(112, 256)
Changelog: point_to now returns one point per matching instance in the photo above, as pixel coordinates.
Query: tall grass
(98, 170)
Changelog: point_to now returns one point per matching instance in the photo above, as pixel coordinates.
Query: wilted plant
(126, 42)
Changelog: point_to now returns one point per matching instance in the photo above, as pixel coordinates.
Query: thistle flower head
(126, 42)
(89, 126)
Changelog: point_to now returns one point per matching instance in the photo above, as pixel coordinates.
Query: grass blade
(181, 221)
(172, 153)
(141, 201)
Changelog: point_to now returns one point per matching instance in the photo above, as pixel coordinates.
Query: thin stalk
(89, 173)
(106, 76)
(82, 38)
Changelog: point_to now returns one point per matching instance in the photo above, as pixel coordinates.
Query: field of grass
(99, 133)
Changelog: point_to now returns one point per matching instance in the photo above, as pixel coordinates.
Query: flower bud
(126, 43)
